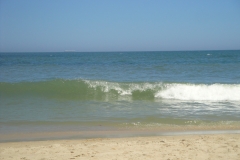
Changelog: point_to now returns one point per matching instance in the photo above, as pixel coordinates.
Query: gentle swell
(103, 90)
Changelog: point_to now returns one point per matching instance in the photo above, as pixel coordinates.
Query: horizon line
(74, 51)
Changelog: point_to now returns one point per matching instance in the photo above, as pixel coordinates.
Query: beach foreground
(217, 146)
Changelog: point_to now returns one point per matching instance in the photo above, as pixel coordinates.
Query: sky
(119, 25)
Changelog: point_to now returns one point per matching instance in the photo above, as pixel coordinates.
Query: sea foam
(213, 92)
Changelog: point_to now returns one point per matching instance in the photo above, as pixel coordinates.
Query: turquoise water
(88, 91)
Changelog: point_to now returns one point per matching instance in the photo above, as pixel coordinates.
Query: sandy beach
(216, 146)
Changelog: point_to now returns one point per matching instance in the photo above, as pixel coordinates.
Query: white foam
(122, 89)
(214, 92)
(107, 86)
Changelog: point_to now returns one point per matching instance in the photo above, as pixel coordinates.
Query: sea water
(92, 91)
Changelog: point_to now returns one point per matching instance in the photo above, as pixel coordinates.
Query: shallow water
(82, 91)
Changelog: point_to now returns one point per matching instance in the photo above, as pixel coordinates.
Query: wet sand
(202, 147)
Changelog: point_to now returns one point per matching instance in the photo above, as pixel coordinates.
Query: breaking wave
(104, 90)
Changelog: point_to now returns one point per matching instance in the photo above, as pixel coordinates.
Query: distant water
(85, 91)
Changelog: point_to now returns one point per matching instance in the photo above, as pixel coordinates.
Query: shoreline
(114, 133)
(201, 146)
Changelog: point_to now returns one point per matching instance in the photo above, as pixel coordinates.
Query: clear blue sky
(119, 25)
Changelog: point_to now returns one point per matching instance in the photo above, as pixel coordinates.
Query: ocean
(98, 94)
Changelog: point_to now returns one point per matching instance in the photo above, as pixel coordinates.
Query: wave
(104, 90)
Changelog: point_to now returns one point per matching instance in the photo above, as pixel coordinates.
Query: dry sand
(218, 146)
